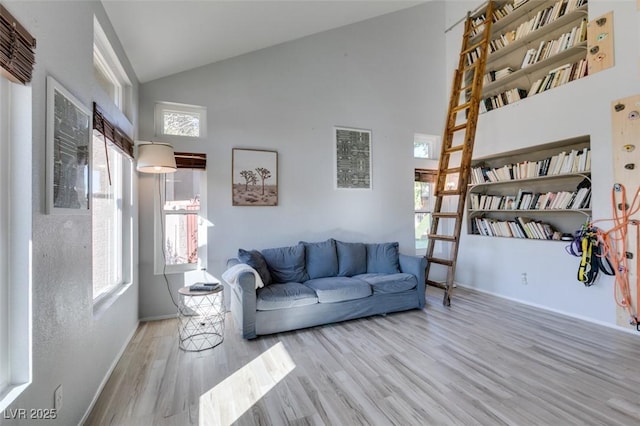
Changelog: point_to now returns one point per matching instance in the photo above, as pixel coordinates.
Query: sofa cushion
(352, 258)
(254, 259)
(338, 289)
(282, 296)
(389, 283)
(383, 258)
(321, 259)
(286, 264)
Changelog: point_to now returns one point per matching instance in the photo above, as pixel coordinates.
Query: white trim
(162, 107)
(159, 317)
(106, 377)
(546, 308)
(19, 258)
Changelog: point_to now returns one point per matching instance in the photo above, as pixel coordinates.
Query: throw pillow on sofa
(352, 258)
(286, 264)
(255, 259)
(383, 258)
(321, 259)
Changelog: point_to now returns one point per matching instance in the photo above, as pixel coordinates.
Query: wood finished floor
(484, 361)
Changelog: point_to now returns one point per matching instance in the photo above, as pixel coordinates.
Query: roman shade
(17, 49)
(111, 132)
(188, 160)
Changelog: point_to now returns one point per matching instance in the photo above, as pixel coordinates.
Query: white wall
(384, 74)
(70, 346)
(578, 108)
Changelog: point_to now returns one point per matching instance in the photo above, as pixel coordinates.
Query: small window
(180, 224)
(111, 214)
(424, 146)
(181, 120)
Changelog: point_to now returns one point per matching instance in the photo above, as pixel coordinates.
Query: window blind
(17, 49)
(111, 132)
(188, 160)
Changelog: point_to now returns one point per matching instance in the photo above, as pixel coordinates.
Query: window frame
(124, 233)
(16, 112)
(162, 107)
(106, 61)
(160, 265)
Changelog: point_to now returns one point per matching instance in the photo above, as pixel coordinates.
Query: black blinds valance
(17, 49)
(188, 160)
(111, 132)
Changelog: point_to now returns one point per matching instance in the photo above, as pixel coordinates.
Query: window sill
(103, 303)
(9, 394)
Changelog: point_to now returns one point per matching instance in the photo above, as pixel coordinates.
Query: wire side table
(200, 319)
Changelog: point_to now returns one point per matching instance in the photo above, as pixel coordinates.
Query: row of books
(519, 228)
(492, 76)
(546, 16)
(498, 14)
(554, 78)
(574, 161)
(559, 76)
(548, 48)
(505, 98)
(526, 200)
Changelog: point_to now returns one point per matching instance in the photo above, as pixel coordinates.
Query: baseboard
(557, 311)
(159, 317)
(108, 375)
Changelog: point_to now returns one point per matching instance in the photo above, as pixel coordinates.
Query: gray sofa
(310, 284)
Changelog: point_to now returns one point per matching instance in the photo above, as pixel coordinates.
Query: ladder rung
(454, 149)
(461, 107)
(440, 261)
(436, 284)
(458, 127)
(451, 170)
(448, 192)
(471, 65)
(472, 47)
(449, 238)
(445, 215)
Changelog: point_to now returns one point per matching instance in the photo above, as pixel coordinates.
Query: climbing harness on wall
(606, 251)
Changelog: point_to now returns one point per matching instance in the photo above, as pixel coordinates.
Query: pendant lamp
(156, 158)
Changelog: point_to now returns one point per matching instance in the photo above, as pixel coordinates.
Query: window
(424, 146)
(174, 119)
(423, 205)
(15, 239)
(108, 71)
(111, 214)
(180, 224)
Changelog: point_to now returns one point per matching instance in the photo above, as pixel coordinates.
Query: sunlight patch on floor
(231, 398)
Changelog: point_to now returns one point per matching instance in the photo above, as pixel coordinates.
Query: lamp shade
(156, 158)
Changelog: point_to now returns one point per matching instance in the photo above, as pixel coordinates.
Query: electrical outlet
(524, 278)
(57, 398)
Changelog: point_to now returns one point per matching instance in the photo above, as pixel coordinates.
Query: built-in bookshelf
(535, 46)
(540, 192)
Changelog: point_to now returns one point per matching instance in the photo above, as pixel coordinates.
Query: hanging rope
(606, 251)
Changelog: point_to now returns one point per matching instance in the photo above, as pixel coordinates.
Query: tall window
(423, 205)
(15, 239)
(174, 119)
(108, 71)
(111, 211)
(181, 226)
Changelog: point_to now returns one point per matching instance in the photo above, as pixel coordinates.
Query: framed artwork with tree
(254, 178)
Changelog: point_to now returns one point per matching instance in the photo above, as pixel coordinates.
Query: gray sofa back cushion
(286, 264)
(321, 259)
(352, 258)
(255, 259)
(383, 258)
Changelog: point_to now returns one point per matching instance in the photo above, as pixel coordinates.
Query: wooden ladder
(457, 146)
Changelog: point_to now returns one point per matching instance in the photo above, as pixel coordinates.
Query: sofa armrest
(243, 302)
(415, 265)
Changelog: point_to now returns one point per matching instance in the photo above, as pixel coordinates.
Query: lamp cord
(164, 255)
